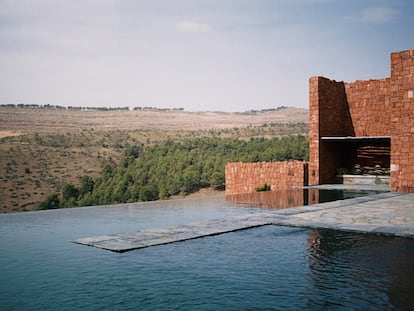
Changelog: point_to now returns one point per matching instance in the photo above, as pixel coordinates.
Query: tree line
(47, 106)
(174, 167)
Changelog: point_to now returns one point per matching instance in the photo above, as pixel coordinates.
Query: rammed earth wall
(247, 177)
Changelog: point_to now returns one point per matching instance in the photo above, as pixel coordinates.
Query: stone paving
(388, 213)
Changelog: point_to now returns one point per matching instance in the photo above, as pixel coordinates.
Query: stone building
(366, 122)
(369, 123)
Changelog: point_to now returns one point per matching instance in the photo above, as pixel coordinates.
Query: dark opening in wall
(353, 155)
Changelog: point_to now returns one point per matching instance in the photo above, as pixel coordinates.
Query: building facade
(368, 123)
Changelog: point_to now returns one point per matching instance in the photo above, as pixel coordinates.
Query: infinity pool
(266, 268)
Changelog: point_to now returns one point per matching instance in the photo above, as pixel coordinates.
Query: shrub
(217, 180)
(52, 202)
(265, 187)
(86, 185)
(149, 193)
(69, 191)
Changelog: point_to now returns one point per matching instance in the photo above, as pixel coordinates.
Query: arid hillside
(29, 121)
(43, 149)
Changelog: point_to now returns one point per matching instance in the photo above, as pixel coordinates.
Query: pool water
(296, 197)
(265, 268)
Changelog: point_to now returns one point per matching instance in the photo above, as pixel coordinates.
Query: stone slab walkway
(386, 213)
(150, 237)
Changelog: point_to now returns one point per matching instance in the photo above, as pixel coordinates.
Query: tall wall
(402, 121)
(247, 177)
(369, 106)
(329, 116)
(383, 107)
(314, 131)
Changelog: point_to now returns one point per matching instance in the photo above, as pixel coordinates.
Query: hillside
(28, 121)
(43, 149)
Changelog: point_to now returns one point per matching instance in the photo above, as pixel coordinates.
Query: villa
(360, 132)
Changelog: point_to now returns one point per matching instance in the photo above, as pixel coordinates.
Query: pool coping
(389, 213)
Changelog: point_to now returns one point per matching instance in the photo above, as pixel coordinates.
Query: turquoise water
(266, 268)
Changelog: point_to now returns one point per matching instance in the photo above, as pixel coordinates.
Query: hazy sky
(228, 55)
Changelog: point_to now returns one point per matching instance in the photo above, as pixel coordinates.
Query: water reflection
(377, 267)
(275, 199)
(295, 197)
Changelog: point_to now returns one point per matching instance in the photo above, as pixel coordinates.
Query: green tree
(69, 191)
(173, 167)
(133, 151)
(107, 171)
(86, 185)
(52, 202)
(217, 180)
(149, 193)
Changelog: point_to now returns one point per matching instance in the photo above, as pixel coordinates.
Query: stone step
(386, 213)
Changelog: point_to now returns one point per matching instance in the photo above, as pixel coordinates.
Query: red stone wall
(329, 116)
(383, 107)
(314, 131)
(369, 107)
(247, 177)
(402, 121)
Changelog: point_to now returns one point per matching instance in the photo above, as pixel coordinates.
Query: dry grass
(43, 149)
(28, 121)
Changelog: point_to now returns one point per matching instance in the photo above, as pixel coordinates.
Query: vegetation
(265, 187)
(51, 202)
(33, 166)
(267, 110)
(170, 168)
(72, 147)
(35, 106)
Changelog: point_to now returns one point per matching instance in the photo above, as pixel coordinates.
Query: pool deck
(387, 213)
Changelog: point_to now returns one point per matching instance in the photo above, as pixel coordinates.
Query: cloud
(194, 27)
(375, 15)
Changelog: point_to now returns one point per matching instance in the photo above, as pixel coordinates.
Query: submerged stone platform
(388, 213)
(150, 237)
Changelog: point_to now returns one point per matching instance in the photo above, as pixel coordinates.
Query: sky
(200, 55)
